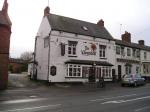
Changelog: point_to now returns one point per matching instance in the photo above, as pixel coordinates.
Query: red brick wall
(4, 55)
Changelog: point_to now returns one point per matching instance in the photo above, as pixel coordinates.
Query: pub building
(71, 50)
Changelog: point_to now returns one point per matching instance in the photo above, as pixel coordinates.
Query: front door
(92, 74)
(119, 72)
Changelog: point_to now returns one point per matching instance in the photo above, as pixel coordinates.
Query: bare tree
(26, 56)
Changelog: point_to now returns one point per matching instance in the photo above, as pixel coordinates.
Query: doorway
(92, 74)
(119, 72)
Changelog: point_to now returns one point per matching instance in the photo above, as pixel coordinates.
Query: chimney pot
(46, 11)
(100, 23)
(141, 42)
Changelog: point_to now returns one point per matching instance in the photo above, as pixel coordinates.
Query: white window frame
(76, 67)
(102, 51)
(71, 48)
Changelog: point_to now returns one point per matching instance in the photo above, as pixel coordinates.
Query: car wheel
(122, 85)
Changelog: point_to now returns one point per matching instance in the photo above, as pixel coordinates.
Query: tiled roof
(3, 19)
(133, 45)
(70, 25)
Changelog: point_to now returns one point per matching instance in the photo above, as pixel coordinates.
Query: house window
(138, 53)
(74, 70)
(46, 42)
(128, 52)
(122, 51)
(102, 51)
(145, 55)
(137, 69)
(134, 53)
(128, 69)
(117, 49)
(72, 48)
(106, 72)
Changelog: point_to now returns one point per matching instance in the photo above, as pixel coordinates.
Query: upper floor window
(138, 53)
(72, 48)
(145, 55)
(128, 52)
(118, 50)
(122, 51)
(102, 51)
(134, 53)
(46, 42)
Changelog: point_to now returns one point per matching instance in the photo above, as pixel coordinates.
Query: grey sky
(26, 16)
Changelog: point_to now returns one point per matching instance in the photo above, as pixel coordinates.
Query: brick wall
(4, 55)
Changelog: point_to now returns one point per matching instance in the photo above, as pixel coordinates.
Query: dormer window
(85, 28)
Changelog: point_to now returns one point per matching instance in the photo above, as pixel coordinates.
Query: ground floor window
(137, 69)
(128, 69)
(146, 68)
(74, 70)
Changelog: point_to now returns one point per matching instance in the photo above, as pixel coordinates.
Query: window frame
(102, 51)
(72, 48)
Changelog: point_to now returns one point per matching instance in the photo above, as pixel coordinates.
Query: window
(72, 48)
(46, 42)
(85, 71)
(102, 51)
(137, 69)
(138, 53)
(122, 51)
(117, 49)
(146, 69)
(145, 55)
(106, 72)
(134, 53)
(128, 52)
(74, 70)
(128, 69)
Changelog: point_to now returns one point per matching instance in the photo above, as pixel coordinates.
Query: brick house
(5, 32)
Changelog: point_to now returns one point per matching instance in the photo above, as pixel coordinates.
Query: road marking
(31, 108)
(141, 109)
(112, 97)
(21, 101)
(123, 101)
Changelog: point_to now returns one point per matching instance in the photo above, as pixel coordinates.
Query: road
(76, 99)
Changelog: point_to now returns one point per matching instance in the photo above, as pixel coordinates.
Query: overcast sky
(119, 16)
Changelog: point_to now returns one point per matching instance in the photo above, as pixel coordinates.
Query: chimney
(126, 37)
(5, 7)
(100, 23)
(141, 42)
(46, 11)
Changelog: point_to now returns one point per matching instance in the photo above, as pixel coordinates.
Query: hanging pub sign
(53, 70)
(89, 50)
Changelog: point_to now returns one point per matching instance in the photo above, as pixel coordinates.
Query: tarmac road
(113, 98)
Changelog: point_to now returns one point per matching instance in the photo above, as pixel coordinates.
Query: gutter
(48, 56)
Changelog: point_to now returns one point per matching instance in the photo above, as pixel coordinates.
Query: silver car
(132, 79)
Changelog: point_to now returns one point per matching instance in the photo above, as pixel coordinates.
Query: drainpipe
(34, 57)
(48, 55)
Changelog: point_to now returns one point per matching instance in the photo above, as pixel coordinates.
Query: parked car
(132, 79)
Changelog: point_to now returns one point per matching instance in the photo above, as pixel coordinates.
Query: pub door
(92, 74)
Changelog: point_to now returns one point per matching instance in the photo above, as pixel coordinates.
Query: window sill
(72, 56)
(103, 58)
(75, 78)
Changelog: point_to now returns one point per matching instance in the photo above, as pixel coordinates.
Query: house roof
(70, 25)
(133, 45)
(3, 19)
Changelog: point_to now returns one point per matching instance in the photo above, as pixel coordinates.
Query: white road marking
(31, 108)
(21, 101)
(141, 109)
(123, 101)
(112, 97)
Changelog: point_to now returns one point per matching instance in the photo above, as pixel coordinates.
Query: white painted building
(131, 57)
(70, 50)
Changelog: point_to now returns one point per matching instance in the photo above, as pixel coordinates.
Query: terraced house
(131, 57)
